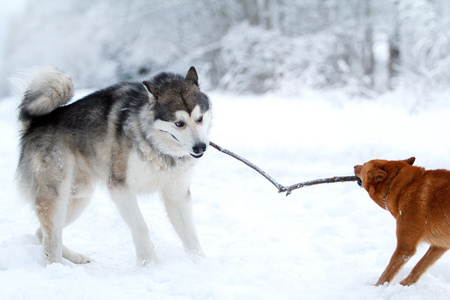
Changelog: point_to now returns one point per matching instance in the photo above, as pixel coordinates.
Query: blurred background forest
(238, 46)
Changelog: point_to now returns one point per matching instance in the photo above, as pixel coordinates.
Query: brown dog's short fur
(419, 200)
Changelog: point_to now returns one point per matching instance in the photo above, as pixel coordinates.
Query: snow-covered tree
(237, 45)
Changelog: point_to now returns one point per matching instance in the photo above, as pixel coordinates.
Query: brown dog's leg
(408, 238)
(433, 254)
(409, 234)
(401, 255)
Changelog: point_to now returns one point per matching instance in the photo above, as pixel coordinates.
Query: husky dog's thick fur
(136, 137)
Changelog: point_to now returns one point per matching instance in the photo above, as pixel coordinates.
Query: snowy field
(322, 242)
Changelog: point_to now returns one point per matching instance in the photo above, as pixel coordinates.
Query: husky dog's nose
(199, 149)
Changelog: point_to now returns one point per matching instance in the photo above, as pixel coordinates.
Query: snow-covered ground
(322, 242)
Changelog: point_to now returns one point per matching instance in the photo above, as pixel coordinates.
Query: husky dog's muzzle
(198, 150)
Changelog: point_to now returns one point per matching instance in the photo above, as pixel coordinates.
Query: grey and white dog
(138, 138)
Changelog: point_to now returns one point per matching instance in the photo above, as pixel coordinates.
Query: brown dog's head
(375, 175)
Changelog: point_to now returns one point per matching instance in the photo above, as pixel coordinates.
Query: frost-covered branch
(281, 188)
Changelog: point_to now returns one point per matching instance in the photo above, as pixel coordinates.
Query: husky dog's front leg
(178, 204)
(128, 207)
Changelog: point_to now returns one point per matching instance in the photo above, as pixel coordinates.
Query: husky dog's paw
(80, 259)
(147, 258)
(195, 255)
(148, 262)
(76, 258)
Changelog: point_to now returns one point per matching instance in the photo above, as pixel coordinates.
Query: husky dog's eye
(179, 124)
(200, 119)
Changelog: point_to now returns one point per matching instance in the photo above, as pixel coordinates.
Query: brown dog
(419, 200)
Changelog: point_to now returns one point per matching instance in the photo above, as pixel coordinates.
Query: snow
(321, 242)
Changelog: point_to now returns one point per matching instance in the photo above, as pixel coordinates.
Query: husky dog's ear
(152, 89)
(192, 75)
(410, 160)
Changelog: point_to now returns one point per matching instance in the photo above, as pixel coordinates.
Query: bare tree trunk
(266, 15)
(394, 48)
(367, 55)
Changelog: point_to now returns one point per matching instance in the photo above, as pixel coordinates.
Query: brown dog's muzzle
(358, 169)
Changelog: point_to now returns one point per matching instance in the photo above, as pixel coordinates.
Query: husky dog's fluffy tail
(48, 89)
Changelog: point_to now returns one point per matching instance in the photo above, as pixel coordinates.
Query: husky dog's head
(182, 115)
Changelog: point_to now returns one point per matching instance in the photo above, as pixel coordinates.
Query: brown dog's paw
(381, 282)
(408, 281)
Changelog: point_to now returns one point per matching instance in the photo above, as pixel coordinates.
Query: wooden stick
(333, 179)
(251, 165)
(281, 188)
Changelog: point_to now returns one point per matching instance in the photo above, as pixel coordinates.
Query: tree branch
(333, 179)
(251, 165)
(281, 188)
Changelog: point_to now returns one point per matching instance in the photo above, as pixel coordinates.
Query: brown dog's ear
(379, 175)
(410, 160)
